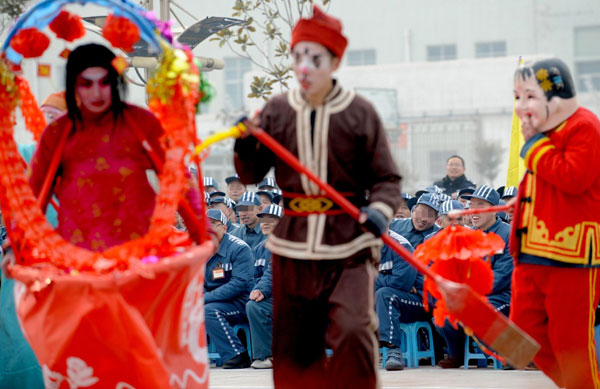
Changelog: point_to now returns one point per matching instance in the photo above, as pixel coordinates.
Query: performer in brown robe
(323, 261)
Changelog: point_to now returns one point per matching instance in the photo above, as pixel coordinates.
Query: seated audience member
(455, 179)
(223, 204)
(460, 197)
(421, 222)
(249, 229)
(260, 307)
(268, 184)
(235, 188)
(396, 300)
(403, 211)
(266, 199)
(210, 184)
(226, 285)
(502, 267)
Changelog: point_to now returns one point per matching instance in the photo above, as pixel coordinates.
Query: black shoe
(451, 362)
(240, 361)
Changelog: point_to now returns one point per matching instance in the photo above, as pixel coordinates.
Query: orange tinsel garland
(456, 254)
(34, 117)
(121, 32)
(30, 42)
(67, 26)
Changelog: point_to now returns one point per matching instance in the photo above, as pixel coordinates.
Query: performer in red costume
(556, 229)
(102, 188)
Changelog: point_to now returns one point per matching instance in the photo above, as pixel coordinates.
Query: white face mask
(313, 66)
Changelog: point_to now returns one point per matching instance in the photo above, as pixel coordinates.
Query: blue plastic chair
(472, 351)
(412, 335)
(409, 344)
(215, 357)
(246, 329)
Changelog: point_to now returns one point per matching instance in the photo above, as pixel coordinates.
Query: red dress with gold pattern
(102, 188)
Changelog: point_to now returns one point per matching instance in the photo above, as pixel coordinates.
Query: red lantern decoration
(457, 254)
(121, 32)
(67, 26)
(30, 42)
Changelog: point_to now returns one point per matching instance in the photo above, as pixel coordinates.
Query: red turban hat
(321, 28)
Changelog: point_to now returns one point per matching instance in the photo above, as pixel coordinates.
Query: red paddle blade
(491, 327)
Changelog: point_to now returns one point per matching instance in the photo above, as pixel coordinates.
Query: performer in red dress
(102, 188)
(556, 228)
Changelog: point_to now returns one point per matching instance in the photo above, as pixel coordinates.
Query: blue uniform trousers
(221, 316)
(394, 306)
(455, 338)
(260, 317)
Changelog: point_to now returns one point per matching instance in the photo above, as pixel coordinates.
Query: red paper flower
(457, 253)
(30, 42)
(67, 26)
(121, 32)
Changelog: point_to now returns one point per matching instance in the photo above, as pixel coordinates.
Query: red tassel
(67, 26)
(30, 42)
(457, 253)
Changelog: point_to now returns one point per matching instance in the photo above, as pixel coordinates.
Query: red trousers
(319, 304)
(556, 306)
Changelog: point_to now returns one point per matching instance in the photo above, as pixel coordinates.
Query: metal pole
(164, 10)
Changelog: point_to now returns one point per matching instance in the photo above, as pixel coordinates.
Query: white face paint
(313, 66)
(93, 89)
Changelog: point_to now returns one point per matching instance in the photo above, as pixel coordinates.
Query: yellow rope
(234, 132)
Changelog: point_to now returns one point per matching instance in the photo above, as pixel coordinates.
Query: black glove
(376, 222)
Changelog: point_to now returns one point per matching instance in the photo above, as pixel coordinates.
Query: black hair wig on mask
(88, 56)
(553, 76)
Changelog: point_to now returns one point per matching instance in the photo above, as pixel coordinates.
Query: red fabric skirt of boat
(140, 328)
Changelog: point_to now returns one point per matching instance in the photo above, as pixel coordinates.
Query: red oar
(472, 309)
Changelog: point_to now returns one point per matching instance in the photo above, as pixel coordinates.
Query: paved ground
(421, 378)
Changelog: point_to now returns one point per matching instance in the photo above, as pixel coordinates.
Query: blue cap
(465, 191)
(430, 189)
(216, 193)
(272, 210)
(217, 200)
(509, 191)
(486, 193)
(450, 205)
(230, 203)
(230, 179)
(217, 215)
(266, 193)
(443, 197)
(405, 196)
(248, 198)
(267, 181)
(209, 181)
(431, 200)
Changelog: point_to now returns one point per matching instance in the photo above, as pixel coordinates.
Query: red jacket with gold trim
(558, 209)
